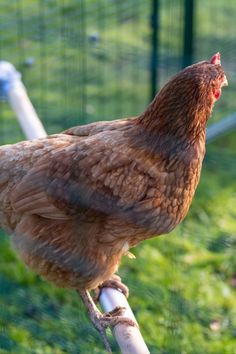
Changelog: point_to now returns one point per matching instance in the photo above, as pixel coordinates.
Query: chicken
(76, 202)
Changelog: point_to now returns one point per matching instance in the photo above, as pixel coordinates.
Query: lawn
(92, 63)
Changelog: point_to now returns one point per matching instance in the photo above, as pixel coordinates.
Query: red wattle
(217, 94)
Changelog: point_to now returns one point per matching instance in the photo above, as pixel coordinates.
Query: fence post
(188, 35)
(155, 18)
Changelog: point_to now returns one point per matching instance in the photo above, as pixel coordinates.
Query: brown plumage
(77, 201)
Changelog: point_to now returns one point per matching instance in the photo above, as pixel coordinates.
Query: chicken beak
(224, 81)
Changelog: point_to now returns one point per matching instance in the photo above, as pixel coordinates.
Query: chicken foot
(102, 321)
(115, 283)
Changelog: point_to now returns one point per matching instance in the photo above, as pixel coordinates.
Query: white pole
(129, 338)
(220, 128)
(13, 89)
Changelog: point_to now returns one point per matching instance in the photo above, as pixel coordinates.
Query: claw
(115, 283)
(102, 321)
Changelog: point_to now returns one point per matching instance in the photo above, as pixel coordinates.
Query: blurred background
(88, 60)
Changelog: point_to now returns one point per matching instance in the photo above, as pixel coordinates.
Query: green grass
(182, 285)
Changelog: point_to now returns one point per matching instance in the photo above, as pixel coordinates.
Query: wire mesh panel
(171, 38)
(87, 60)
(81, 60)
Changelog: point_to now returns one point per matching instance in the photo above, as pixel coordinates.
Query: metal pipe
(12, 88)
(128, 337)
(222, 127)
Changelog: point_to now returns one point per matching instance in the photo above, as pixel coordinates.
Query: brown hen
(77, 201)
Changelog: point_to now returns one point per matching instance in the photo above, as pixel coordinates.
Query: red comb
(216, 59)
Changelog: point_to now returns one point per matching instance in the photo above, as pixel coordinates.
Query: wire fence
(88, 60)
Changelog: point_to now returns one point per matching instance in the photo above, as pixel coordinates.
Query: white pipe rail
(222, 127)
(128, 337)
(13, 89)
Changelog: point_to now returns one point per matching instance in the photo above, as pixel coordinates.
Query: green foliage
(182, 286)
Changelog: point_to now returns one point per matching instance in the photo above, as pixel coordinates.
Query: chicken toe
(102, 321)
(115, 283)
